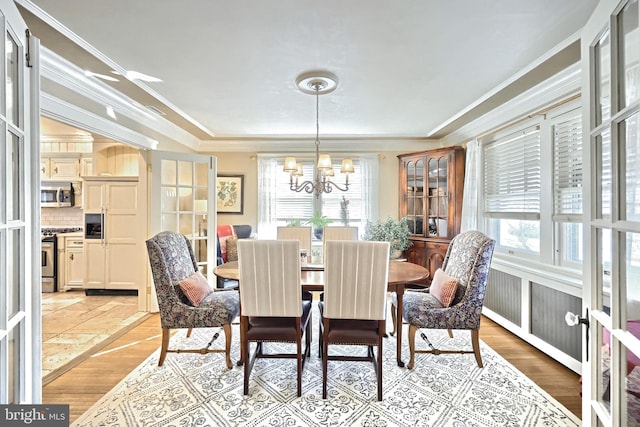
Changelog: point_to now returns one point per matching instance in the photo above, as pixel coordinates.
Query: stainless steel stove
(49, 255)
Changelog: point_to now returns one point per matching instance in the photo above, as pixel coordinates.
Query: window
(567, 186)
(512, 190)
(278, 205)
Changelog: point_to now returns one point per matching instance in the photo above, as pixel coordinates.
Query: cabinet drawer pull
(71, 257)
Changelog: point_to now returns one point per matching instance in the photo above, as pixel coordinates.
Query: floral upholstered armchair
(185, 298)
(456, 295)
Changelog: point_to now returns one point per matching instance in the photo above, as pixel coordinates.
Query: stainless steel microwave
(57, 195)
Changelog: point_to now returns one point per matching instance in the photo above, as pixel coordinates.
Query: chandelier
(317, 83)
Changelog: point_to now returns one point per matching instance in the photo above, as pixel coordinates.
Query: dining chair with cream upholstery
(271, 304)
(354, 306)
(301, 234)
(343, 232)
(456, 295)
(185, 299)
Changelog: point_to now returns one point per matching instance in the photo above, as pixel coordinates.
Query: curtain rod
(529, 116)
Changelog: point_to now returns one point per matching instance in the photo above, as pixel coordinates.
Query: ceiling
(411, 69)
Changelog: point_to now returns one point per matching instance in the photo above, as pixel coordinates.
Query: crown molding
(63, 73)
(346, 144)
(561, 86)
(70, 114)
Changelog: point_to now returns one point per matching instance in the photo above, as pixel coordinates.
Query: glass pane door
(184, 200)
(611, 290)
(438, 173)
(20, 374)
(415, 196)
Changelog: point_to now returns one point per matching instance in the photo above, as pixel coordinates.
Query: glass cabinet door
(438, 197)
(415, 196)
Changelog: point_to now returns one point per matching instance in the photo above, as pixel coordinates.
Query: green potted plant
(318, 221)
(396, 232)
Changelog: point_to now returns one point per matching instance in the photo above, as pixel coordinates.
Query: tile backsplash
(62, 217)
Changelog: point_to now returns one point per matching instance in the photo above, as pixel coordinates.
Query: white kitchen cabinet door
(74, 266)
(45, 168)
(93, 197)
(65, 168)
(95, 271)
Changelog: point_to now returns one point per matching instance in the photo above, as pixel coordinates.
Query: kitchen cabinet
(70, 261)
(113, 252)
(86, 166)
(431, 187)
(60, 168)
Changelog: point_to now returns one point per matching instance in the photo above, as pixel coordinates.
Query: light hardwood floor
(75, 325)
(86, 383)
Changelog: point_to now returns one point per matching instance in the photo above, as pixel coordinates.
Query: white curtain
(369, 165)
(267, 175)
(472, 177)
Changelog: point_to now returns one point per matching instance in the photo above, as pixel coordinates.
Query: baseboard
(90, 292)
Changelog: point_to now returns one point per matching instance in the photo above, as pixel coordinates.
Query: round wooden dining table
(312, 279)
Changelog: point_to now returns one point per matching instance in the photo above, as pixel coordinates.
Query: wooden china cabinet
(431, 185)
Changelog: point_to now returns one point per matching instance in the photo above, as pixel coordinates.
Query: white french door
(611, 89)
(183, 199)
(20, 327)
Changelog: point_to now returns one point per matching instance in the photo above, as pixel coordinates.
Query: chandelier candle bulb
(290, 164)
(324, 162)
(347, 167)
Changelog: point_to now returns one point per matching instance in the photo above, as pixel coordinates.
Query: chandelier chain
(322, 183)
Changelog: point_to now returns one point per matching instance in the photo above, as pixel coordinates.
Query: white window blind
(567, 168)
(301, 205)
(291, 204)
(331, 201)
(277, 204)
(512, 176)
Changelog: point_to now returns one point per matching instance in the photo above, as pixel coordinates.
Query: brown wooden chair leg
(299, 356)
(325, 357)
(412, 345)
(166, 334)
(475, 343)
(244, 352)
(189, 332)
(227, 344)
(393, 318)
(379, 361)
(450, 333)
(320, 338)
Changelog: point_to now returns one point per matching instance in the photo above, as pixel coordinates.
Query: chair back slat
(269, 272)
(356, 274)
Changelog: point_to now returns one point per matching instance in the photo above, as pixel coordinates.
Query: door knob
(574, 319)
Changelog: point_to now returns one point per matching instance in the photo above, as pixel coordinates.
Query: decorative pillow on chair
(443, 287)
(232, 249)
(225, 232)
(196, 288)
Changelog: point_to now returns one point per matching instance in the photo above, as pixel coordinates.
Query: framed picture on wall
(230, 194)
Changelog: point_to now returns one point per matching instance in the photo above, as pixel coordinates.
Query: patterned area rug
(445, 390)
